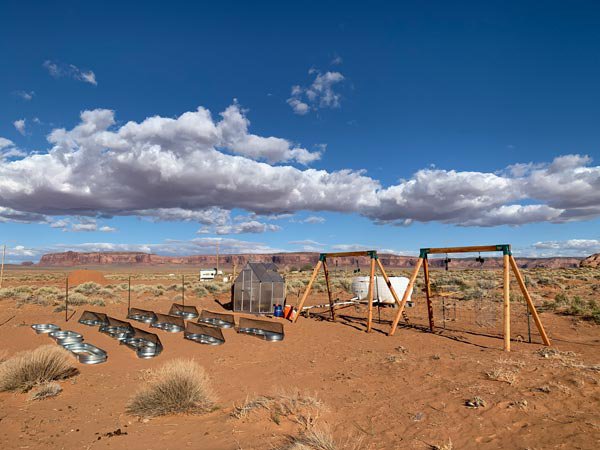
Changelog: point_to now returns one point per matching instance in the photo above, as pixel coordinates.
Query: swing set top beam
(504, 248)
(370, 253)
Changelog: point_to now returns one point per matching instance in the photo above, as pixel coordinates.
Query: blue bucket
(278, 311)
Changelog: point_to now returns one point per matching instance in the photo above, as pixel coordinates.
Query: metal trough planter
(44, 328)
(187, 312)
(93, 319)
(171, 324)
(264, 329)
(141, 315)
(216, 319)
(63, 337)
(203, 334)
(146, 345)
(117, 329)
(87, 353)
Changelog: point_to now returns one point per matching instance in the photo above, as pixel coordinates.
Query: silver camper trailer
(258, 288)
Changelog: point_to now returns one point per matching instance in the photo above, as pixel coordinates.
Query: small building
(258, 288)
(208, 274)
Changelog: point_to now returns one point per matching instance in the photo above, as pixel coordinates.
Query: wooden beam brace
(307, 291)
(472, 249)
(529, 301)
(344, 254)
(409, 288)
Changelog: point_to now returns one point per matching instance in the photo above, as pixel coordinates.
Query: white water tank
(381, 293)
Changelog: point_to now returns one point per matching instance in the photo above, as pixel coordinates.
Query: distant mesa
(282, 260)
(591, 261)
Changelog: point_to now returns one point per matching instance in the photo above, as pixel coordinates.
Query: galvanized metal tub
(144, 348)
(87, 353)
(44, 328)
(63, 337)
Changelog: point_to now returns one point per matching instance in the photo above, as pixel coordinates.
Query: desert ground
(454, 388)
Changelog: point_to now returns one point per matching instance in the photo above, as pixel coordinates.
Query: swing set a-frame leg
(371, 282)
(530, 305)
(326, 270)
(409, 289)
(428, 293)
(307, 291)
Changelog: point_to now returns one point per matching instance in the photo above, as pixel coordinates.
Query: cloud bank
(198, 168)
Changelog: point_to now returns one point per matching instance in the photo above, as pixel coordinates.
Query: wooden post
(428, 293)
(371, 283)
(326, 270)
(307, 291)
(129, 296)
(409, 288)
(67, 299)
(530, 305)
(183, 290)
(506, 304)
(2, 268)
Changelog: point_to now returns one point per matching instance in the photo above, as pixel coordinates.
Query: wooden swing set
(508, 263)
(322, 263)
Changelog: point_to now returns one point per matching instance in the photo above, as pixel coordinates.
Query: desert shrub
(27, 369)
(77, 298)
(199, 291)
(179, 386)
(306, 268)
(88, 288)
(575, 306)
(45, 390)
(7, 293)
(216, 287)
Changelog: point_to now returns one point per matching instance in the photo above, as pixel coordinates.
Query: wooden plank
(344, 254)
(371, 283)
(428, 293)
(506, 305)
(307, 291)
(532, 310)
(409, 288)
(389, 283)
(473, 249)
(326, 270)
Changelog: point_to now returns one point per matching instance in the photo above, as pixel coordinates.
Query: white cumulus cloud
(20, 126)
(59, 70)
(319, 94)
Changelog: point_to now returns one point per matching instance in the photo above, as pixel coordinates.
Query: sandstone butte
(285, 260)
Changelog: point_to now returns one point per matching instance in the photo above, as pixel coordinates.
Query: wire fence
(475, 307)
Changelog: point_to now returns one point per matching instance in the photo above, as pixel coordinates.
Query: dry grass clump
(445, 446)
(314, 438)
(300, 408)
(46, 390)
(178, 387)
(27, 369)
(503, 374)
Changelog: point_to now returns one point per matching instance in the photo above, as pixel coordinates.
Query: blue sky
(346, 126)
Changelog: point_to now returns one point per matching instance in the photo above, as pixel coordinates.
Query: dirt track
(405, 391)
